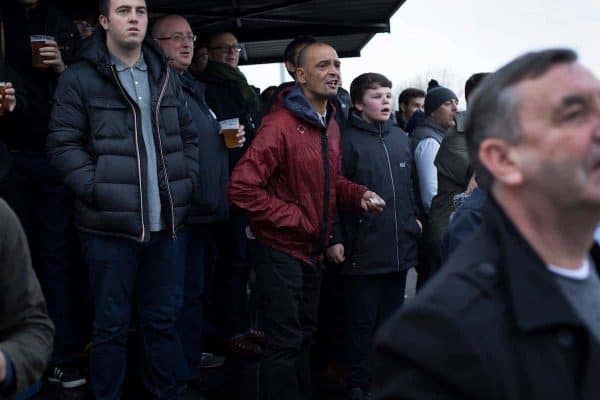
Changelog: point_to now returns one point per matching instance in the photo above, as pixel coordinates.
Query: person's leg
(54, 216)
(233, 252)
(393, 288)
(312, 276)
(361, 300)
(157, 304)
(113, 264)
(189, 322)
(279, 290)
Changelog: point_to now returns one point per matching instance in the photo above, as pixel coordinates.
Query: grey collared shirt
(135, 82)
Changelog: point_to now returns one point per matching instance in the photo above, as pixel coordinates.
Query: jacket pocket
(169, 117)
(108, 118)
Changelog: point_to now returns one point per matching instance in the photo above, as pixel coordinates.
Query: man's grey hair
(493, 112)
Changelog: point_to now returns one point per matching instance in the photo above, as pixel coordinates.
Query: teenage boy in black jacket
(375, 250)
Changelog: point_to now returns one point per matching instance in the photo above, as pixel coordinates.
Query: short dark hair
(301, 59)
(104, 7)
(290, 50)
(408, 94)
(473, 81)
(364, 82)
(494, 105)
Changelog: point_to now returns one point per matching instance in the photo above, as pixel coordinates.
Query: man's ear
(402, 107)
(300, 75)
(501, 159)
(103, 19)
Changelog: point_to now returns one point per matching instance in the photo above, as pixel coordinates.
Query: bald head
(163, 24)
(175, 37)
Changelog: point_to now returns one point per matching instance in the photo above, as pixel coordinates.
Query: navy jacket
(210, 195)
(378, 156)
(493, 324)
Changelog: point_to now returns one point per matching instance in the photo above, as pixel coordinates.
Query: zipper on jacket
(162, 158)
(387, 156)
(137, 148)
(325, 218)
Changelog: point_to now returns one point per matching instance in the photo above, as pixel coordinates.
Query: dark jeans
(233, 270)
(288, 299)
(368, 301)
(126, 274)
(36, 193)
(200, 241)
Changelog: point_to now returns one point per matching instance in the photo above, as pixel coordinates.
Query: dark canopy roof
(267, 26)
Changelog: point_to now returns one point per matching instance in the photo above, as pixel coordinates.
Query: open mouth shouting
(332, 83)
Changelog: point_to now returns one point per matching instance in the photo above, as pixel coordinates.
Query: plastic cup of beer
(229, 130)
(37, 42)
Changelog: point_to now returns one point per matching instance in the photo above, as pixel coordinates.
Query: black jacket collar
(536, 298)
(374, 128)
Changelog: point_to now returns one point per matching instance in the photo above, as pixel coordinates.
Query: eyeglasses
(227, 48)
(178, 37)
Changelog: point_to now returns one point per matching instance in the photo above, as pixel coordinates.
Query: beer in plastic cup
(37, 42)
(229, 130)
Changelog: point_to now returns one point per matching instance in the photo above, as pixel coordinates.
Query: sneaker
(210, 360)
(67, 377)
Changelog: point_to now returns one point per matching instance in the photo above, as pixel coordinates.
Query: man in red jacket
(289, 184)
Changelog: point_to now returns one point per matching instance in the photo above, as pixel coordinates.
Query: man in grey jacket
(26, 331)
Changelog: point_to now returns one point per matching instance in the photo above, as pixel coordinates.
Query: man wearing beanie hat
(440, 109)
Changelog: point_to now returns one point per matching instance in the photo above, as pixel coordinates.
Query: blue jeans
(125, 274)
(44, 206)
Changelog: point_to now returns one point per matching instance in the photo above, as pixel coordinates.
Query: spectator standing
(125, 142)
(289, 184)
(522, 293)
(409, 101)
(375, 250)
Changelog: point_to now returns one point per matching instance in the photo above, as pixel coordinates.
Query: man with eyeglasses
(209, 204)
(126, 145)
(230, 96)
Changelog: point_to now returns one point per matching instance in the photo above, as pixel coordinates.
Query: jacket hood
(95, 52)
(374, 128)
(295, 101)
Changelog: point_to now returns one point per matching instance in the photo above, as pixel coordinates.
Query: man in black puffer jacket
(125, 142)
(375, 250)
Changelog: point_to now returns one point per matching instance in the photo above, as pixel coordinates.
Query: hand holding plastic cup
(37, 42)
(229, 130)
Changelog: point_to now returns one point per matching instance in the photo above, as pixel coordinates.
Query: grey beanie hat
(436, 97)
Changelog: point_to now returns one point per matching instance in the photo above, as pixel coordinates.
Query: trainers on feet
(67, 377)
(210, 360)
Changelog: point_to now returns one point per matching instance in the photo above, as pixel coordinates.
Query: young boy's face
(376, 104)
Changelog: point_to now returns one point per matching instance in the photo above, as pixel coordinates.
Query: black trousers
(368, 301)
(288, 299)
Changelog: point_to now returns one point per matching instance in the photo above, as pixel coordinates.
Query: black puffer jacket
(96, 142)
(377, 155)
(210, 202)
